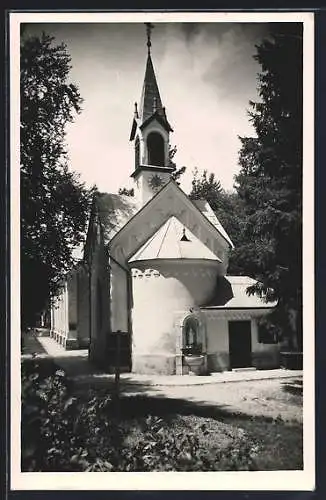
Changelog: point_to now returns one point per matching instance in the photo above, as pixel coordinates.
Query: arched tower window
(155, 148)
(137, 152)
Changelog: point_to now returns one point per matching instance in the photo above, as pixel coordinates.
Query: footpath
(77, 367)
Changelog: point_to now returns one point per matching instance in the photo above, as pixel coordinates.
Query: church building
(155, 269)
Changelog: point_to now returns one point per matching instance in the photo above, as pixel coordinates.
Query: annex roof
(231, 293)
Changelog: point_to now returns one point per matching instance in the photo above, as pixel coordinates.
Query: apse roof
(231, 293)
(173, 241)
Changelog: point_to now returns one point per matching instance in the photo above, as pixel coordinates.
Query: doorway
(240, 344)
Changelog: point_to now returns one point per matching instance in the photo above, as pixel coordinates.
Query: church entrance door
(240, 344)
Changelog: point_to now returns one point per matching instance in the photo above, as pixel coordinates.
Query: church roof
(150, 106)
(207, 210)
(173, 241)
(114, 212)
(150, 97)
(231, 293)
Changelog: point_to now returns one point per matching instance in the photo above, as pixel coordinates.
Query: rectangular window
(267, 334)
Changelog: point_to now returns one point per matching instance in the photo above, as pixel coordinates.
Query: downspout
(90, 306)
(129, 306)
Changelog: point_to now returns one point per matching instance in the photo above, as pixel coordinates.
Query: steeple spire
(150, 101)
(150, 132)
(149, 27)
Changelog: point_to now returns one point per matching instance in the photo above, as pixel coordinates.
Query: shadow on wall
(222, 293)
(204, 288)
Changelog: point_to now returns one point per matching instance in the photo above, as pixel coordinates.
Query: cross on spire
(149, 27)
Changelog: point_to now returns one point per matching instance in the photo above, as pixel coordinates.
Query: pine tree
(270, 179)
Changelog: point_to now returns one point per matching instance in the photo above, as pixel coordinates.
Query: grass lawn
(92, 432)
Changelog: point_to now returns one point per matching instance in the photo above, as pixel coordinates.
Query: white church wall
(217, 344)
(59, 316)
(71, 336)
(143, 190)
(158, 292)
(119, 298)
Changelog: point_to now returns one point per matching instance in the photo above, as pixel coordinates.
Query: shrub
(162, 447)
(60, 433)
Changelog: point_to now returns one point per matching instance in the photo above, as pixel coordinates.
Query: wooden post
(117, 372)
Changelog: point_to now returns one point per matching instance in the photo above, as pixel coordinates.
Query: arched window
(137, 152)
(191, 333)
(155, 148)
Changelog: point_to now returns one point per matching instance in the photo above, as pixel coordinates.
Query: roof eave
(160, 119)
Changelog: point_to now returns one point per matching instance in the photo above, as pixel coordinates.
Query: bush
(291, 360)
(162, 447)
(60, 433)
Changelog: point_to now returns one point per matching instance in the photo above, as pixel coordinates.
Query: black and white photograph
(162, 175)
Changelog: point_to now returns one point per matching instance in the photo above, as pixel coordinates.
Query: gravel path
(273, 398)
(277, 396)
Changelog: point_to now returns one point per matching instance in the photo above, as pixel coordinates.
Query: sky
(206, 75)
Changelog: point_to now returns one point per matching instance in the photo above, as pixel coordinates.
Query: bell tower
(150, 133)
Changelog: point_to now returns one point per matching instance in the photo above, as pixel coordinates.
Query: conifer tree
(270, 180)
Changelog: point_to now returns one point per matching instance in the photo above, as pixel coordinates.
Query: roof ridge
(168, 223)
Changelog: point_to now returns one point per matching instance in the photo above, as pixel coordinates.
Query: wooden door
(240, 344)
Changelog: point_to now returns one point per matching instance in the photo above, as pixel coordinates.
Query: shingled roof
(231, 293)
(207, 210)
(150, 98)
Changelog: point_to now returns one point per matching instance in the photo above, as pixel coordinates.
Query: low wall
(150, 364)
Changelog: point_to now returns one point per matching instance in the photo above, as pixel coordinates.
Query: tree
(270, 178)
(228, 207)
(54, 202)
(206, 187)
(126, 192)
(178, 172)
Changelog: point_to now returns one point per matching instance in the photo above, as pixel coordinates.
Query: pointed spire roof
(150, 105)
(150, 101)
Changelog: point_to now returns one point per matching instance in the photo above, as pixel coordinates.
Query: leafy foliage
(178, 172)
(229, 209)
(206, 187)
(54, 202)
(127, 192)
(60, 433)
(270, 179)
